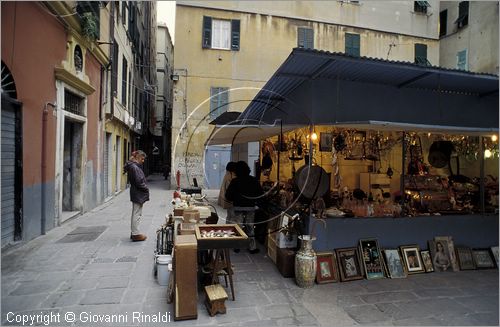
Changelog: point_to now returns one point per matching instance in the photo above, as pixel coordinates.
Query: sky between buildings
(166, 14)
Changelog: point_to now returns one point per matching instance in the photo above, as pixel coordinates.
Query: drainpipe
(44, 165)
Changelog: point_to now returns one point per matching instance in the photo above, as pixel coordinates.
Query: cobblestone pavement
(103, 273)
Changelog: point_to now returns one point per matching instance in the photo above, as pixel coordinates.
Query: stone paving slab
(103, 296)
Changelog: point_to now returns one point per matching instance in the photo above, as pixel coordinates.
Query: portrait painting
(465, 260)
(327, 269)
(412, 259)
(440, 255)
(371, 258)
(451, 250)
(426, 259)
(349, 264)
(394, 264)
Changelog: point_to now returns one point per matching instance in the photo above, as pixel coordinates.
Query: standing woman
(139, 192)
(228, 177)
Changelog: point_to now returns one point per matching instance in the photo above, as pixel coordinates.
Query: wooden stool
(216, 295)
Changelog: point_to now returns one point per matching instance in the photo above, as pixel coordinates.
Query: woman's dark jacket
(244, 191)
(139, 192)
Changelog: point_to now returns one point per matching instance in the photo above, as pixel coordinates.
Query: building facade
(163, 113)
(65, 117)
(59, 121)
(468, 32)
(230, 50)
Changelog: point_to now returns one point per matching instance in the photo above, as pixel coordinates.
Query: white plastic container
(162, 263)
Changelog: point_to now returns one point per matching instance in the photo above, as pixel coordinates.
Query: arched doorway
(11, 172)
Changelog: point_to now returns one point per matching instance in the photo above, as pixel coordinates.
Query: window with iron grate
(73, 103)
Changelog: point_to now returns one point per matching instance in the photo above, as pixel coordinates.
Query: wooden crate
(272, 247)
(240, 240)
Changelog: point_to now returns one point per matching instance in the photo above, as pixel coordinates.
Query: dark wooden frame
(343, 255)
(464, 262)
(371, 243)
(493, 250)
(331, 259)
(479, 265)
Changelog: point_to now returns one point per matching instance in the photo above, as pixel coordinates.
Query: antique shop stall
(400, 152)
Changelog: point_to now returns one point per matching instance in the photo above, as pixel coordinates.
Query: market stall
(406, 152)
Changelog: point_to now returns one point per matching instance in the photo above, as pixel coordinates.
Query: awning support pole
(402, 181)
(481, 174)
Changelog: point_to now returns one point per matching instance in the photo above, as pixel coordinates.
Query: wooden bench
(216, 295)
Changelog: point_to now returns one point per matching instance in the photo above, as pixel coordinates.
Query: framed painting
(412, 260)
(349, 266)
(371, 258)
(394, 264)
(451, 250)
(465, 260)
(325, 142)
(426, 259)
(482, 258)
(440, 255)
(327, 270)
(494, 251)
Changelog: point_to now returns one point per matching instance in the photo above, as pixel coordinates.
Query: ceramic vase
(305, 263)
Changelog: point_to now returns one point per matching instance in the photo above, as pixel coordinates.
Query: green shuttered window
(218, 101)
(305, 38)
(462, 60)
(421, 54)
(352, 44)
(220, 34)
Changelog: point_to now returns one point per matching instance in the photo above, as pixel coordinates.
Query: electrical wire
(13, 38)
(47, 10)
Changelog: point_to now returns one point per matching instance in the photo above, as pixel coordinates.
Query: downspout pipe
(44, 165)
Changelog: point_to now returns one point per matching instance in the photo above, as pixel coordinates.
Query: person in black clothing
(139, 192)
(245, 192)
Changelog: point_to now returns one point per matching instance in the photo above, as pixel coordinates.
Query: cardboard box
(178, 211)
(286, 241)
(187, 228)
(191, 216)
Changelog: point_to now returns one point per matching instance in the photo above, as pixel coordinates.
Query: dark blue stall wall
(468, 230)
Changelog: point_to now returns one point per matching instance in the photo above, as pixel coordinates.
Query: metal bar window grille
(73, 103)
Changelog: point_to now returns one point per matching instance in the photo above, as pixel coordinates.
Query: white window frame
(221, 34)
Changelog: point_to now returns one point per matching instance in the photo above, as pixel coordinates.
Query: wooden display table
(210, 237)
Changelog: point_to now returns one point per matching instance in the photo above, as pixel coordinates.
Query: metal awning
(325, 88)
(235, 134)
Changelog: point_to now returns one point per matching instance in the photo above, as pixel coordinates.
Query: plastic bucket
(162, 263)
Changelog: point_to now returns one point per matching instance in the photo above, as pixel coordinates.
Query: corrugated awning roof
(226, 118)
(310, 64)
